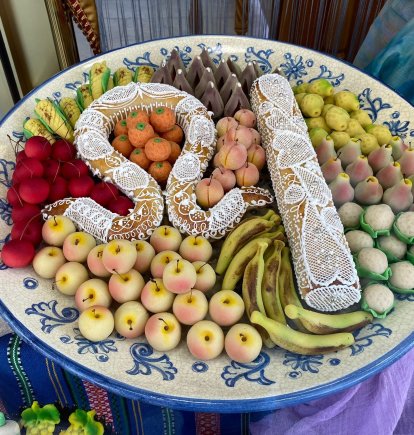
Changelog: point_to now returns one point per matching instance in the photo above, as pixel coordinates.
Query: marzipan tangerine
(157, 149)
(123, 145)
(160, 171)
(137, 116)
(162, 119)
(138, 156)
(121, 127)
(175, 152)
(140, 133)
(176, 134)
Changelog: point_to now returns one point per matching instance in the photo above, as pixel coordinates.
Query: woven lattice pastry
(91, 140)
(325, 272)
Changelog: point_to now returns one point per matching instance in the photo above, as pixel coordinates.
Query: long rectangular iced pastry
(325, 272)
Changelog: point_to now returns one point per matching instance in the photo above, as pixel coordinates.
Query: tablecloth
(382, 405)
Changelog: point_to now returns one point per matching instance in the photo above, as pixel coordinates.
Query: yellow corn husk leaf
(49, 115)
(33, 127)
(70, 109)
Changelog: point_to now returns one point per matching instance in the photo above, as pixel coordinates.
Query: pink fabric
(382, 405)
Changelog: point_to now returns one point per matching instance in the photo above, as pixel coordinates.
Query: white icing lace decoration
(92, 145)
(183, 210)
(129, 176)
(93, 120)
(91, 217)
(324, 267)
(187, 167)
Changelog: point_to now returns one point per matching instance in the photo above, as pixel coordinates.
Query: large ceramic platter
(277, 378)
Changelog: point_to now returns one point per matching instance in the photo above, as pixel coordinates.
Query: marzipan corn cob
(84, 96)
(71, 110)
(143, 74)
(122, 76)
(33, 127)
(51, 116)
(98, 79)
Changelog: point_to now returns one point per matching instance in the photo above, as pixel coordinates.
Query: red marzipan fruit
(58, 189)
(13, 196)
(103, 193)
(53, 168)
(63, 150)
(34, 190)
(38, 147)
(121, 205)
(28, 168)
(25, 213)
(30, 231)
(21, 155)
(17, 253)
(81, 187)
(74, 169)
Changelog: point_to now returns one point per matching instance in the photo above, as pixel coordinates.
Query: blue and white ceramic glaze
(277, 378)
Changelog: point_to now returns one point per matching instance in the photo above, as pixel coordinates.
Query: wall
(29, 36)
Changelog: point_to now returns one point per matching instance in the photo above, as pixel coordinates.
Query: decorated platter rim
(200, 404)
(203, 405)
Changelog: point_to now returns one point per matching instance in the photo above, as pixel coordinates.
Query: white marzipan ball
(379, 217)
(378, 297)
(358, 240)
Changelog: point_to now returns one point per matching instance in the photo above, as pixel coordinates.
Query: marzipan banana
(270, 294)
(244, 232)
(298, 342)
(239, 262)
(235, 270)
(320, 323)
(252, 281)
(286, 286)
(251, 289)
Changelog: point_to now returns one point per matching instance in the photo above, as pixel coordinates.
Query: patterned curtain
(337, 27)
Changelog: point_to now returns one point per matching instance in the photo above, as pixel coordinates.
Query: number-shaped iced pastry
(91, 140)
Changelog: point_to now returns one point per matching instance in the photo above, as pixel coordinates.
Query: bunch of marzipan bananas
(255, 252)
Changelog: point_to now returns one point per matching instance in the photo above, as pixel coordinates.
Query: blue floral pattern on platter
(404, 297)
(370, 104)
(313, 363)
(145, 363)
(5, 211)
(30, 283)
(252, 372)
(365, 337)
(306, 363)
(6, 171)
(199, 367)
(261, 57)
(99, 349)
(19, 136)
(50, 318)
(2, 242)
